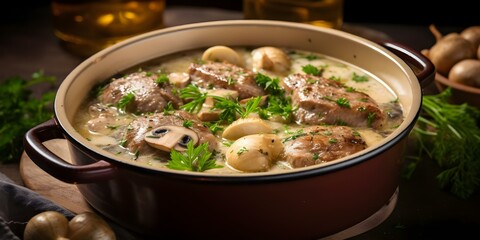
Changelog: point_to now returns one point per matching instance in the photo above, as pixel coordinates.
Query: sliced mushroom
(222, 53)
(254, 153)
(271, 59)
(246, 126)
(171, 137)
(179, 79)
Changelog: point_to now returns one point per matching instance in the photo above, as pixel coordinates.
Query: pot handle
(57, 167)
(421, 65)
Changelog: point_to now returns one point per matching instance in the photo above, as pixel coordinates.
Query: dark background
(414, 12)
(455, 13)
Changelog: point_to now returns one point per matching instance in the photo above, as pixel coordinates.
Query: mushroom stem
(436, 33)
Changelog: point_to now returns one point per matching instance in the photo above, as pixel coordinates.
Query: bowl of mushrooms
(237, 129)
(456, 57)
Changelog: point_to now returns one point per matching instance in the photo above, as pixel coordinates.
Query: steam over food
(239, 110)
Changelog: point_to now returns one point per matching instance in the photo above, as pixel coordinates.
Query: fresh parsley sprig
(20, 110)
(271, 85)
(449, 134)
(195, 96)
(125, 101)
(197, 159)
(278, 104)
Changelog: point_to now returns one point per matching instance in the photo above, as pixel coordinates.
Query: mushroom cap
(254, 153)
(246, 126)
(466, 72)
(472, 34)
(448, 51)
(222, 54)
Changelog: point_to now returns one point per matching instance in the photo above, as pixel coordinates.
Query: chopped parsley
(196, 159)
(343, 102)
(371, 116)
(125, 101)
(162, 78)
(195, 96)
(187, 123)
(310, 69)
(359, 78)
(242, 150)
(168, 110)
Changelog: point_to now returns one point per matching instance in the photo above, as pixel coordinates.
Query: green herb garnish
(271, 85)
(125, 100)
(343, 102)
(251, 106)
(168, 110)
(359, 78)
(20, 111)
(449, 134)
(187, 123)
(195, 96)
(277, 102)
(310, 69)
(162, 78)
(196, 159)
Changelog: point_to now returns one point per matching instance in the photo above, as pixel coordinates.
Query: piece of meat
(318, 144)
(325, 101)
(227, 76)
(136, 130)
(150, 96)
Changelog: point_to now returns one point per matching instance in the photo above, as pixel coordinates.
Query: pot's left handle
(57, 167)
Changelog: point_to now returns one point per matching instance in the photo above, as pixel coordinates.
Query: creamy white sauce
(374, 87)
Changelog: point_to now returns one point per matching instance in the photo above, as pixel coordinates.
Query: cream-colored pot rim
(353, 49)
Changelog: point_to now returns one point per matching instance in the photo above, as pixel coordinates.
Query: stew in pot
(239, 109)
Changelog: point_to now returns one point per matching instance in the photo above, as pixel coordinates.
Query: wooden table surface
(423, 211)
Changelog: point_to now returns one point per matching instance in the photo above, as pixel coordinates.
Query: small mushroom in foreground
(254, 153)
(221, 54)
(171, 137)
(88, 225)
(246, 126)
(466, 72)
(271, 59)
(52, 225)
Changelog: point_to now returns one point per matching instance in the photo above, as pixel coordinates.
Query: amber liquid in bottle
(324, 13)
(85, 27)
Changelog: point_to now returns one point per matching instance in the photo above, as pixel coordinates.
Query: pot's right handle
(421, 65)
(57, 167)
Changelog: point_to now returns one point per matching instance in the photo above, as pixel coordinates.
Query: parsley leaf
(20, 111)
(449, 134)
(197, 159)
(271, 85)
(195, 96)
(125, 100)
(359, 78)
(310, 69)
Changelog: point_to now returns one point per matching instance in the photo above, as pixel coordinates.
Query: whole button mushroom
(222, 54)
(466, 72)
(472, 34)
(52, 225)
(271, 59)
(449, 50)
(171, 137)
(254, 153)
